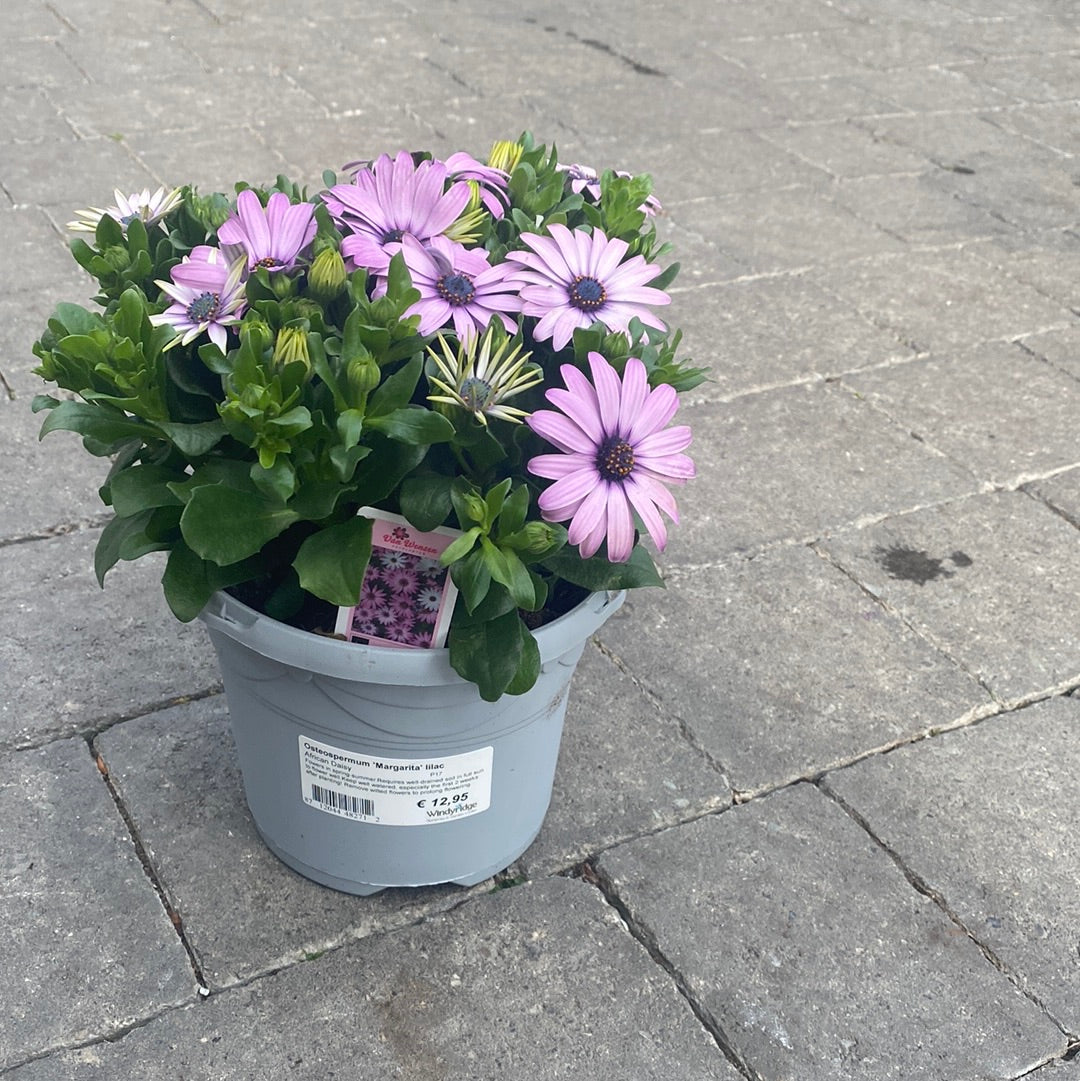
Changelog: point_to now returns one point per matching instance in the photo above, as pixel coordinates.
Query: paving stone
(1061, 348)
(942, 300)
(833, 948)
(826, 459)
(983, 816)
(625, 769)
(967, 138)
(88, 948)
(936, 88)
(985, 579)
(774, 330)
(996, 410)
(1062, 492)
(1052, 79)
(1049, 260)
(785, 666)
(820, 101)
(756, 229)
(73, 656)
(1058, 1071)
(918, 209)
(539, 982)
(44, 262)
(846, 151)
(56, 480)
(789, 56)
(243, 911)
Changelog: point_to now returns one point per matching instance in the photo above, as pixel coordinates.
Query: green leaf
(189, 582)
(597, 573)
(414, 425)
(425, 500)
(460, 547)
(508, 570)
(332, 562)
(112, 540)
(494, 655)
(512, 516)
(225, 525)
(395, 390)
(193, 440)
(102, 424)
(140, 487)
(473, 579)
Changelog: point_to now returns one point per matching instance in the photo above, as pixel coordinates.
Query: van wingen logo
(399, 538)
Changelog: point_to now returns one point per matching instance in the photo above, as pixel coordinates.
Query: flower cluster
(473, 344)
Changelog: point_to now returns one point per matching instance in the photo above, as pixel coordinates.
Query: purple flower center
(475, 393)
(203, 308)
(615, 459)
(587, 294)
(456, 289)
(267, 261)
(393, 236)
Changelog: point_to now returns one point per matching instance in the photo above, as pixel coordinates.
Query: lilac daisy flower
(272, 237)
(458, 284)
(491, 182)
(570, 279)
(617, 455)
(208, 295)
(393, 198)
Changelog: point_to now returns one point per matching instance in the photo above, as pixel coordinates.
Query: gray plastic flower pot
(366, 767)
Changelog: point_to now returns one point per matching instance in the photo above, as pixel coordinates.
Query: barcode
(342, 801)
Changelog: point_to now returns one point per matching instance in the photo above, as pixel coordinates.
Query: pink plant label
(407, 596)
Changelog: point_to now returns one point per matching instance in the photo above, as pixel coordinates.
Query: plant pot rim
(325, 656)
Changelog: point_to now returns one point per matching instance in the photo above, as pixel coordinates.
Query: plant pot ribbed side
(366, 767)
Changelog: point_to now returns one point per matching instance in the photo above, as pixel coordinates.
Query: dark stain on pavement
(913, 565)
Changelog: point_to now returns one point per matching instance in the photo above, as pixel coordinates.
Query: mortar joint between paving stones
(640, 931)
(685, 730)
(149, 869)
(920, 885)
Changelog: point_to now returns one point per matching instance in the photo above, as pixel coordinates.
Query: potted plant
(432, 399)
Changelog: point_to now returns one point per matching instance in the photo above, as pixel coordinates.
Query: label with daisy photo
(407, 596)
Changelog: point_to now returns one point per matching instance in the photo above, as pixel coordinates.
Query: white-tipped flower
(149, 209)
(484, 372)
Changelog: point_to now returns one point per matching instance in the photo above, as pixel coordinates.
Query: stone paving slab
(56, 482)
(942, 300)
(986, 579)
(982, 817)
(88, 948)
(73, 656)
(1059, 347)
(815, 955)
(775, 330)
(786, 666)
(1062, 492)
(541, 981)
(1048, 259)
(1000, 412)
(625, 770)
(1058, 1071)
(795, 463)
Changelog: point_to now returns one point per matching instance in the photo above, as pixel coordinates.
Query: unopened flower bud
(505, 155)
(362, 375)
(536, 537)
(326, 278)
(476, 507)
(290, 346)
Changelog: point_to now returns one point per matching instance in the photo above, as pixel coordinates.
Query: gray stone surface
(1059, 347)
(979, 815)
(996, 410)
(72, 656)
(943, 300)
(87, 946)
(965, 575)
(838, 968)
(787, 667)
(626, 768)
(1062, 492)
(797, 462)
(764, 332)
(539, 982)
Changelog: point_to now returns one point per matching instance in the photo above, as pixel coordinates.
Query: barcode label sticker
(394, 791)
